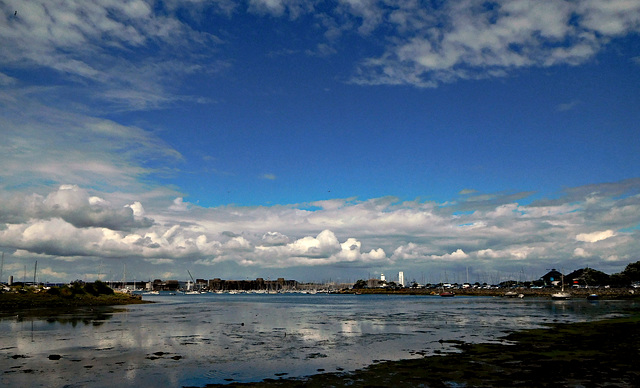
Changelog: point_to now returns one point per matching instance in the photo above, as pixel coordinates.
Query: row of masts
(35, 271)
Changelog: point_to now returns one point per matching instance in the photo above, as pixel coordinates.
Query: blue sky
(316, 140)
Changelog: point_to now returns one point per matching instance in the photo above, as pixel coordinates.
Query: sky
(318, 140)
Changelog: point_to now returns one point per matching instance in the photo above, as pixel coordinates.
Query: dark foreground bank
(594, 354)
(19, 301)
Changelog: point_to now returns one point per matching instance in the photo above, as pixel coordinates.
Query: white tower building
(401, 278)
(382, 277)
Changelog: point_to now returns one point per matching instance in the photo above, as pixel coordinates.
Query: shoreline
(598, 353)
(576, 293)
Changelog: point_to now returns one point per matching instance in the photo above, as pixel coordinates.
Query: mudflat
(593, 354)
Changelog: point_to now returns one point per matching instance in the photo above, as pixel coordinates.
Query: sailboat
(562, 295)
(190, 290)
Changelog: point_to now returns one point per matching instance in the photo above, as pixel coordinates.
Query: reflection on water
(85, 315)
(200, 339)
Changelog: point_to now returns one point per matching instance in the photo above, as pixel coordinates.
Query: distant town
(586, 278)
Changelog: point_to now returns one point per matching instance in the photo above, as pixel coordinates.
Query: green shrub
(102, 288)
(54, 291)
(66, 292)
(98, 288)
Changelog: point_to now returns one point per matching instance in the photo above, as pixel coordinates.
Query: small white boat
(562, 295)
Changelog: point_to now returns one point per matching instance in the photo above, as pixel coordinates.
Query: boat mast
(194, 282)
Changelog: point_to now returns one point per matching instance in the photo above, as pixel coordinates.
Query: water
(198, 339)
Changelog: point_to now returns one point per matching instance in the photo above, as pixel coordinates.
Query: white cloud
(414, 251)
(457, 255)
(178, 205)
(595, 236)
(514, 253)
(73, 205)
(476, 39)
(137, 208)
(325, 244)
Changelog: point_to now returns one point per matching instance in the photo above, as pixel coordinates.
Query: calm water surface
(199, 339)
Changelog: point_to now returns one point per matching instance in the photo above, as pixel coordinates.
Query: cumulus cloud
(323, 249)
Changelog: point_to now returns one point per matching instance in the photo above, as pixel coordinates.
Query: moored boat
(562, 295)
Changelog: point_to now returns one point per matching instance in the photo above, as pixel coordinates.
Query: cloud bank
(70, 224)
